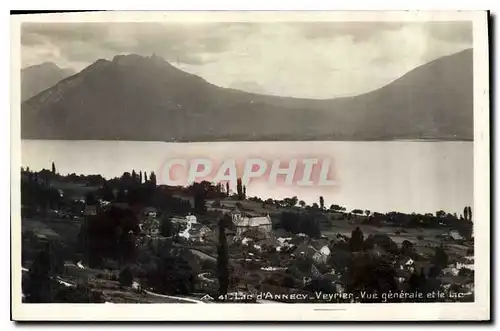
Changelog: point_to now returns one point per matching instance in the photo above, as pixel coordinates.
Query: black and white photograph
(334, 162)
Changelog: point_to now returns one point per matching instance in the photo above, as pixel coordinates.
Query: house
(452, 235)
(191, 219)
(199, 232)
(244, 222)
(325, 250)
(320, 258)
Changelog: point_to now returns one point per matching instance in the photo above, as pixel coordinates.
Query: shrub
(126, 277)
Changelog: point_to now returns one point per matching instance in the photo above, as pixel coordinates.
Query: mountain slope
(146, 98)
(40, 77)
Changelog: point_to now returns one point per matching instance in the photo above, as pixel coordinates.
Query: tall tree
(53, 168)
(199, 191)
(227, 189)
(152, 178)
(145, 177)
(322, 202)
(223, 258)
(140, 177)
(239, 189)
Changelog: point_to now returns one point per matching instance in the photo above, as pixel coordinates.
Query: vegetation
(223, 258)
(111, 241)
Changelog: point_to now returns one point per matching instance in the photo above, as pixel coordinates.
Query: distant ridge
(35, 79)
(147, 99)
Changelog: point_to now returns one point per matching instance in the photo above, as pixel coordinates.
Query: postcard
(288, 165)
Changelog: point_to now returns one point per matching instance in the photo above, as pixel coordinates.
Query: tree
(166, 227)
(357, 240)
(121, 196)
(53, 168)
(440, 257)
(90, 199)
(367, 212)
(145, 177)
(307, 223)
(140, 177)
(109, 234)
(335, 208)
(152, 179)
(407, 248)
(199, 191)
(440, 214)
(371, 275)
(223, 257)
(239, 189)
(173, 274)
(357, 211)
(227, 189)
(41, 287)
(322, 202)
(126, 277)
(218, 189)
(290, 202)
(135, 178)
(302, 203)
(106, 193)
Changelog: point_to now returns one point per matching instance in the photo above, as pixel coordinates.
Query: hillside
(35, 79)
(146, 98)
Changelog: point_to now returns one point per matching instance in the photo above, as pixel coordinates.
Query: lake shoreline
(380, 176)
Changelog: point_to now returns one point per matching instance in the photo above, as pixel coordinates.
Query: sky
(316, 60)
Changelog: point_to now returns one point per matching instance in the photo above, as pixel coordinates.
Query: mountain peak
(49, 64)
(37, 78)
(135, 59)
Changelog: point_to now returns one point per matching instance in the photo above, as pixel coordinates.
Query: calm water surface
(403, 176)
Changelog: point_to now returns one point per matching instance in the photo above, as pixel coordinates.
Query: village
(153, 243)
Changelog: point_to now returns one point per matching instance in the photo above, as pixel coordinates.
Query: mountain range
(35, 79)
(147, 99)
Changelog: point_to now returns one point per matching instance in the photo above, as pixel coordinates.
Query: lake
(405, 176)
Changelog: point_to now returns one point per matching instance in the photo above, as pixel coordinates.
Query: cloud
(459, 31)
(358, 31)
(301, 59)
(454, 32)
(185, 43)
